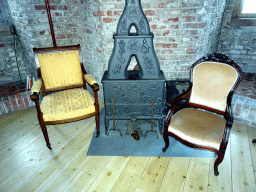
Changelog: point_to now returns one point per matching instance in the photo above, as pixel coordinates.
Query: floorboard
(26, 164)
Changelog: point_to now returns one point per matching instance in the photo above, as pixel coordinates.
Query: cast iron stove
(133, 93)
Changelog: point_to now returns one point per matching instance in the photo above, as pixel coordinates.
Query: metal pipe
(50, 22)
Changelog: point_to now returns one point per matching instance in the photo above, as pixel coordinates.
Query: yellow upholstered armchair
(205, 120)
(63, 83)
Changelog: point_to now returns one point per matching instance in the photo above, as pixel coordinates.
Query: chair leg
(97, 119)
(46, 137)
(166, 140)
(44, 130)
(217, 162)
(254, 141)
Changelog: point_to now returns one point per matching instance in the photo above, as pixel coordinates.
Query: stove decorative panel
(133, 91)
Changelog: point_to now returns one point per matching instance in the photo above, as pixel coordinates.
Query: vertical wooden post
(50, 22)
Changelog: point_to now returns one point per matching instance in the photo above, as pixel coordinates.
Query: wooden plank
(14, 119)
(242, 172)
(32, 158)
(6, 116)
(68, 153)
(67, 174)
(252, 135)
(109, 175)
(21, 142)
(131, 175)
(175, 176)
(16, 129)
(88, 174)
(197, 175)
(222, 182)
(153, 175)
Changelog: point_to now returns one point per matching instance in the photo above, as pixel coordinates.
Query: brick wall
(184, 30)
(8, 65)
(237, 41)
(31, 21)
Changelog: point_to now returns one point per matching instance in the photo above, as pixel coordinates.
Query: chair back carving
(212, 82)
(60, 67)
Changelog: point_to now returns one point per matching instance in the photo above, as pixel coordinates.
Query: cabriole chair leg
(166, 140)
(217, 162)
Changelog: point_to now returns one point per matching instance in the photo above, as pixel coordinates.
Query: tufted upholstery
(60, 69)
(67, 104)
(212, 83)
(198, 127)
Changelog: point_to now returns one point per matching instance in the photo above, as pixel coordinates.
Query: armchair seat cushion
(67, 104)
(198, 127)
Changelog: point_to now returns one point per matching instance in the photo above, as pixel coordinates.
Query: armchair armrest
(172, 110)
(89, 79)
(229, 115)
(92, 82)
(37, 86)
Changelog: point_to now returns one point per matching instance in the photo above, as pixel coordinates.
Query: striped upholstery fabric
(67, 104)
(60, 69)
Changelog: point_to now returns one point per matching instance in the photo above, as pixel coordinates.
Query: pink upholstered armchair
(206, 119)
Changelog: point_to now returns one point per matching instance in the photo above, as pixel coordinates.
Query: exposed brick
(42, 32)
(108, 19)
(7, 103)
(174, 26)
(109, 13)
(2, 108)
(154, 26)
(166, 32)
(42, 7)
(25, 99)
(190, 51)
(150, 12)
(21, 104)
(27, 95)
(89, 31)
(14, 103)
(56, 13)
(60, 36)
(252, 114)
(99, 51)
(166, 51)
(166, 45)
(161, 5)
(190, 18)
(98, 13)
(173, 19)
(117, 12)
(195, 25)
(71, 35)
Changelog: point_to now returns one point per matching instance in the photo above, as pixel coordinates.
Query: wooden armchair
(205, 120)
(63, 84)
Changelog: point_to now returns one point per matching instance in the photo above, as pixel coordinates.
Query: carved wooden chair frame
(35, 96)
(228, 116)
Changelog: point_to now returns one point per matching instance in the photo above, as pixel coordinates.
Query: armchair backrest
(60, 67)
(212, 83)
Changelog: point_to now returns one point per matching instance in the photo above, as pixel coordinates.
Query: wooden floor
(26, 164)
